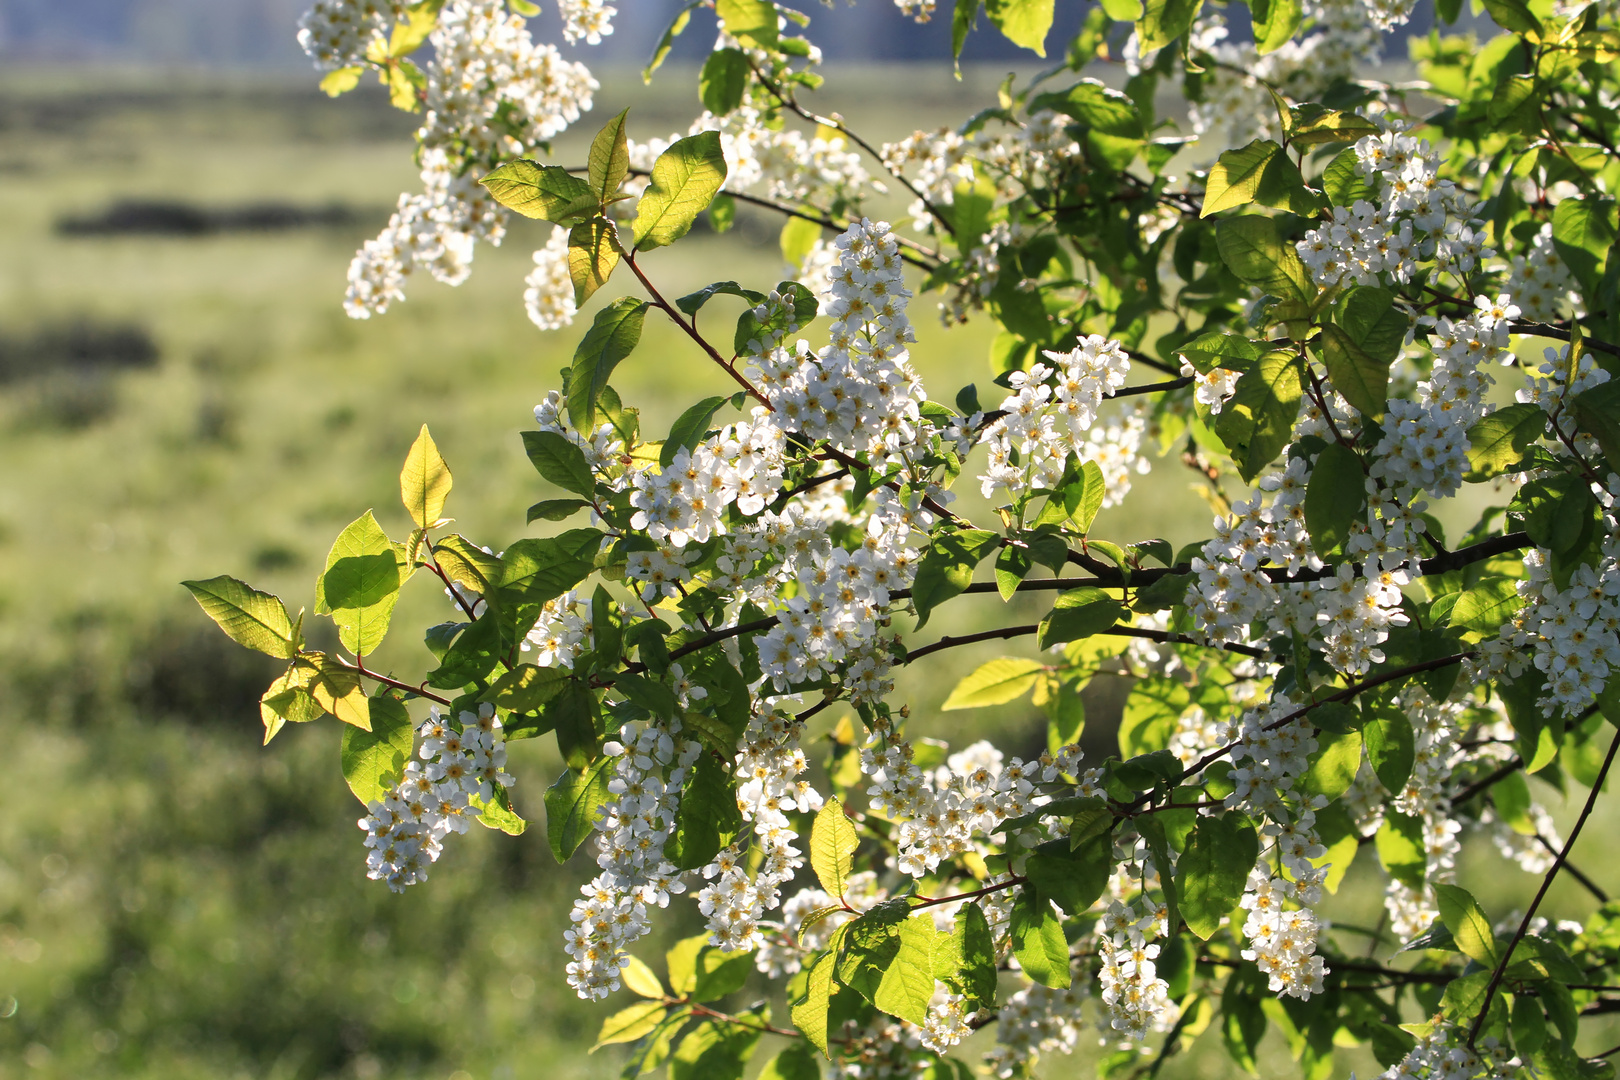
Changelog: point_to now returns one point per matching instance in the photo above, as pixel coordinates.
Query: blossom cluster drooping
(651, 765)
(459, 762)
(1138, 1001)
(940, 814)
(1444, 1054)
(1049, 414)
(767, 768)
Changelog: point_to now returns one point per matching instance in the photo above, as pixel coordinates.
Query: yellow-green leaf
(629, 1024)
(684, 179)
(548, 192)
(639, 978)
(609, 158)
(249, 617)
(832, 848)
(374, 760)
(1469, 927)
(424, 481)
(336, 688)
(994, 683)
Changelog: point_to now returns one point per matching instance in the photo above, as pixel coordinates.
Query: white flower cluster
(1115, 445)
(948, 1022)
(492, 93)
(338, 33)
(946, 158)
(1444, 1054)
(767, 768)
(1402, 224)
(1533, 851)
(1138, 1001)
(590, 20)
(561, 634)
(1425, 444)
(1049, 413)
(1554, 383)
(602, 449)
(1572, 635)
(651, 766)
(405, 830)
(548, 293)
(1354, 615)
(1235, 99)
(940, 815)
(1540, 282)
(1281, 939)
(1036, 1020)
(687, 500)
(1213, 388)
(859, 392)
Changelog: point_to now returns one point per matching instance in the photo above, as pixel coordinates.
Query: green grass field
(174, 901)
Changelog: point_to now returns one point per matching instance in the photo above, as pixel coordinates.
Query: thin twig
(1546, 883)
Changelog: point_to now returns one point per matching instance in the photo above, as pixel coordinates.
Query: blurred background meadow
(182, 396)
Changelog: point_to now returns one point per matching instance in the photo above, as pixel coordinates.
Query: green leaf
(593, 253)
(749, 20)
(555, 509)
(1333, 765)
(498, 813)
(1099, 107)
(547, 192)
(1251, 249)
(613, 335)
(797, 239)
(1513, 15)
(1335, 498)
(1258, 173)
(797, 1062)
(288, 700)
(722, 80)
(1511, 794)
(1391, 747)
(689, 429)
(994, 683)
(336, 688)
(1597, 411)
(248, 617)
(677, 26)
(722, 212)
(1529, 1025)
(1038, 942)
(908, 980)
(1584, 235)
(684, 178)
(537, 569)
(1314, 124)
(1464, 997)
(1025, 23)
(1073, 878)
(810, 1012)
(1212, 871)
(1259, 420)
(573, 714)
(1485, 606)
(708, 817)
(360, 585)
(1079, 613)
(1498, 443)
(1342, 180)
(1401, 848)
(715, 1050)
(572, 804)
(340, 82)
(1163, 21)
(1468, 925)
(629, 1024)
(972, 957)
(946, 568)
(832, 847)
(609, 159)
(1275, 23)
(560, 462)
(1013, 564)
(525, 688)
(374, 760)
(718, 973)
(1234, 352)
(424, 481)
(962, 18)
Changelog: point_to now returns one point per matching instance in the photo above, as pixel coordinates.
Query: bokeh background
(181, 396)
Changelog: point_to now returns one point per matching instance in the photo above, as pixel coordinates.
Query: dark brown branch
(1546, 883)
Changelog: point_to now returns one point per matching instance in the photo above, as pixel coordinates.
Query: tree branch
(1546, 883)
